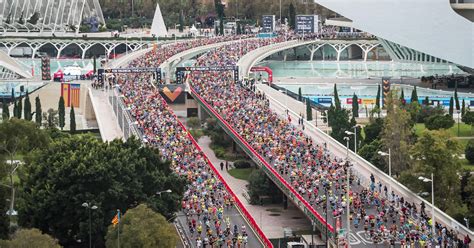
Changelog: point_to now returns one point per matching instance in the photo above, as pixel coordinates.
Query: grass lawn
(241, 173)
(466, 165)
(464, 130)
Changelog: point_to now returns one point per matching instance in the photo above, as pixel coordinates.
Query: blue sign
(325, 100)
(268, 23)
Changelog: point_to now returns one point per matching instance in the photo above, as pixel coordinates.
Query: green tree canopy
(80, 168)
(38, 111)
(61, 112)
(468, 118)
(370, 153)
(438, 153)
(309, 110)
(27, 108)
(339, 122)
(355, 106)
(5, 110)
(72, 121)
(377, 98)
(436, 122)
(261, 185)
(337, 101)
(396, 134)
(372, 130)
(142, 227)
(469, 151)
(414, 95)
(25, 238)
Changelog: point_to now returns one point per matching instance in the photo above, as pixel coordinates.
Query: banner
(155, 70)
(349, 100)
(307, 24)
(385, 88)
(268, 23)
(45, 69)
(71, 94)
(173, 93)
(181, 71)
(368, 101)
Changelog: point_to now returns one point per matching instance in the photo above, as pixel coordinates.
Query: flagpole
(118, 229)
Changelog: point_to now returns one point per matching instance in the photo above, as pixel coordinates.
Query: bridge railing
(362, 166)
(302, 204)
(124, 119)
(250, 220)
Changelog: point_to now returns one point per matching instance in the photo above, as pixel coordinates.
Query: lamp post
(389, 164)
(164, 191)
(355, 137)
(425, 180)
(459, 113)
(348, 213)
(89, 207)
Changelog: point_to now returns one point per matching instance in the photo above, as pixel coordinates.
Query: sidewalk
(106, 119)
(271, 222)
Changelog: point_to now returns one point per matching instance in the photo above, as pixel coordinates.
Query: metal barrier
(361, 165)
(124, 119)
(299, 201)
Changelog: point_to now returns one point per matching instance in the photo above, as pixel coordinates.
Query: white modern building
(413, 30)
(47, 15)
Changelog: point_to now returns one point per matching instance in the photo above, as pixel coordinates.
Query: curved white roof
(428, 26)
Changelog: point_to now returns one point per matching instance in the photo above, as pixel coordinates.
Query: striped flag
(116, 219)
(65, 93)
(75, 94)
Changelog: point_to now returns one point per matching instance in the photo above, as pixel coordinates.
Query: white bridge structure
(59, 45)
(47, 15)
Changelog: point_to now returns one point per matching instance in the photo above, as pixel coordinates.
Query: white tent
(158, 27)
(194, 30)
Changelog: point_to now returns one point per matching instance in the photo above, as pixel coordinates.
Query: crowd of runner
(206, 203)
(383, 217)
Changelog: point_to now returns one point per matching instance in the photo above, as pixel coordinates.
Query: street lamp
(165, 191)
(389, 154)
(425, 180)
(355, 137)
(348, 211)
(90, 207)
(459, 113)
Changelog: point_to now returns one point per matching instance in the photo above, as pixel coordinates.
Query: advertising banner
(268, 23)
(325, 100)
(307, 24)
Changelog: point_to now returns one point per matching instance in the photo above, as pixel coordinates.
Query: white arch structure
(10, 69)
(60, 45)
(54, 15)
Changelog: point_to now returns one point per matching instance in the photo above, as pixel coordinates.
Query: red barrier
(246, 214)
(282, 180)
(265, 69)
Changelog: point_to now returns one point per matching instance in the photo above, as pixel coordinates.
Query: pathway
(272, 226)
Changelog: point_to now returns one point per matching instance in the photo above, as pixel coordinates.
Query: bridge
(83, 44)
(361, 168)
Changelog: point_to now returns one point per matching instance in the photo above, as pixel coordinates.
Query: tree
(292, 16)
(339, 122)
(355, 106)
(438, 153)
(468, 118)
(373, 130)
(451, 108)
(469, 151)
(15, 110)
(18, 136)
(414, 95)
(72, 121)
(260, 185)
(181, 22)
(436, 122)
(221, 27)
(337, 101)
(427, 101)
(27, 109)
(38, 111)
(5, 110)
(238, 30)
(19, 108)
(300, 95)
(50, 118)
(456, 98)
(377, 98)
(4, 220)
(142, 227)
(114, 175)
(396, 133)
(309, 110)
(24, 238)
(463, 108)
(370, 153)
(402, 97)
(61, 112)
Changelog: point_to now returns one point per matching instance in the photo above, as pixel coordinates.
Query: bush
(436, 122)
(470, 151)
(427, 111)
(242, 164)
(194, 122)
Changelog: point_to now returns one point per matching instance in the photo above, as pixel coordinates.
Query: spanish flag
(116, 219)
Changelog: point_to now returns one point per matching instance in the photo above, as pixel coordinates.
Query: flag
(65, 94)
(116, 219)
(75, 94)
